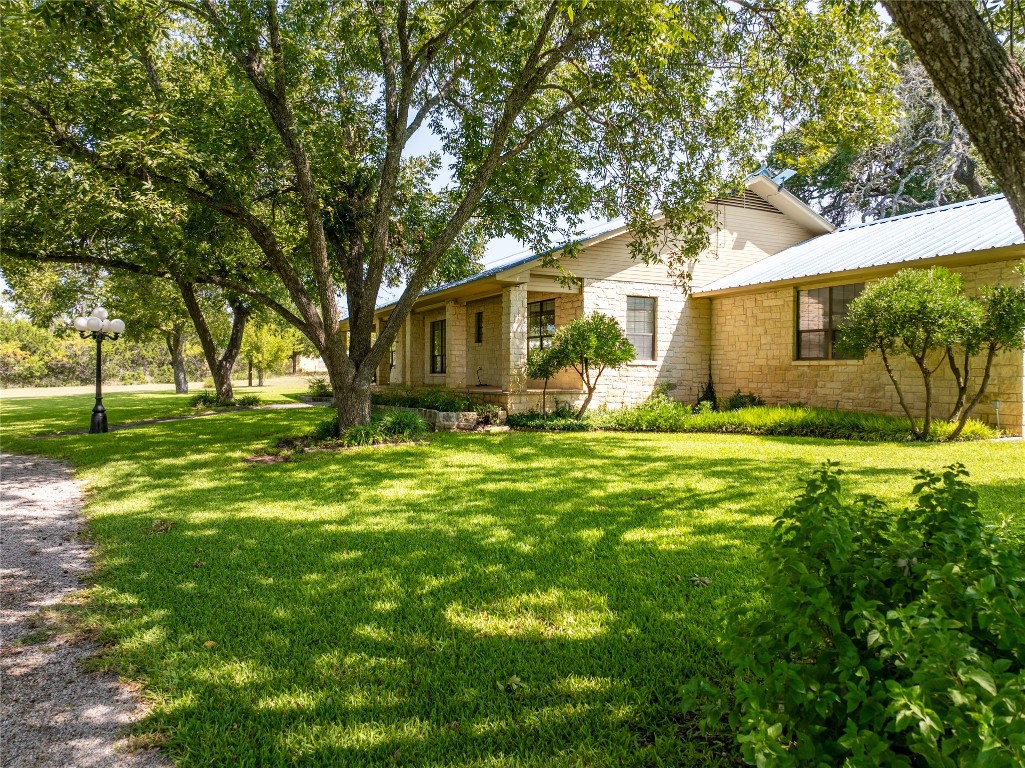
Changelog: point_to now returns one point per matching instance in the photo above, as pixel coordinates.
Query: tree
(543, 363)
(981, 80)
(923, 158)
(292, 122)
(999, 324)
(917, 312)
(266, 348)
(590, 345)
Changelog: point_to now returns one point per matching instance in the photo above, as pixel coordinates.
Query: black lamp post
(99, 327)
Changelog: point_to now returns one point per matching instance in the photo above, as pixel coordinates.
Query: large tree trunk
(983, 85)
(220, 365)
(352, 401)
(175, 339)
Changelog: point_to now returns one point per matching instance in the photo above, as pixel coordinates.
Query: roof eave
(788, 204)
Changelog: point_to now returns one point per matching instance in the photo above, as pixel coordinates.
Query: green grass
(517, 599)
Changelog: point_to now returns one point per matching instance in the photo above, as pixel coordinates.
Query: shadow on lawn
(515, 599)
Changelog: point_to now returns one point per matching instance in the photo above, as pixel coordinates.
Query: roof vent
(781, 178)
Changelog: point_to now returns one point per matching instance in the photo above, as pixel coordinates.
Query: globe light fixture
(98, 326)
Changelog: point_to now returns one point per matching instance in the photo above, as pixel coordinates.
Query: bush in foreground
(390, 427)
(207, 398)
(884, 639)
(664, 415)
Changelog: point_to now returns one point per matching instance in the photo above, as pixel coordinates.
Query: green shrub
(205, 399)
(432, 398)
(326, 430)
(739, 400)
(248, 401)
(664, 415)
(318, 386)
(884, 638)
(707, 401)
(362, 435)
(550, 423)
(487, 413)
(403, 425)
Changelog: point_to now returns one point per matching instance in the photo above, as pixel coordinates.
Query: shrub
(550, 423)
(884, 639)
(318, 386)
(487, 413)
(205, 399)
(391, 427)
(404, 425)
(326, 430)
(707, 396)
(738, 400)
(432, 398)
(248, 401)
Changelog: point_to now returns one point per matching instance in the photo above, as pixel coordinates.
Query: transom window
(821, 313)
(640, 325)
(438, 346)
(540, 323)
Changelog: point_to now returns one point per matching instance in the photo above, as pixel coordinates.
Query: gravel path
(52, 713)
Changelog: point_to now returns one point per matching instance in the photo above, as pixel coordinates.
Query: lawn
(516, 599)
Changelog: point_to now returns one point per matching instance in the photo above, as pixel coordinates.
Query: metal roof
(974, 225)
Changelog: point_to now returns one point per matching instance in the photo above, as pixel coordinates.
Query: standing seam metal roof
(973, 225)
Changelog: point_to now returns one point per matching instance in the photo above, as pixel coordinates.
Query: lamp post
(99, 327)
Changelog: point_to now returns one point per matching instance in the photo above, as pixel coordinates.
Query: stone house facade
(769, 268)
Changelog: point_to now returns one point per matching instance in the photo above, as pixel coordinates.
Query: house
(764, 303)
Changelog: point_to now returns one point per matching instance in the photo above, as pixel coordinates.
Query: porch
(477, 344)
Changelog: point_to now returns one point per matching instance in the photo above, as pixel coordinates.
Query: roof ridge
(924, 212)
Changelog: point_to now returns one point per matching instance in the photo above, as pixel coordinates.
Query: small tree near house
(924, 314)
(998, 325)
(543, 363)
(590, 345)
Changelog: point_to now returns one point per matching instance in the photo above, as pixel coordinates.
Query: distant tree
(998, 325)
(266, 347)
(971, 59)
(920, 313)
(543, 363)
(923, 158)
(591, 345)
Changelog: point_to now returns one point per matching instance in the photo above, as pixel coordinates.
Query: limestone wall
(753, 348)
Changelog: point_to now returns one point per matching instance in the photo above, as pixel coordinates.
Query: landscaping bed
(662, 415)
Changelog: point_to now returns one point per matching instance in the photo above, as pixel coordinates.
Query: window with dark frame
(821, 313)
(438, 346)
(540, 323)
(478, 334)
(640, 325)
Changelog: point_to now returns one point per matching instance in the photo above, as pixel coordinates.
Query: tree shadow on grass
(519, 599)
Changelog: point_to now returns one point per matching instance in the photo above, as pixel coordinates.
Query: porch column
(406, 350)
(455, 345)
(514, 338)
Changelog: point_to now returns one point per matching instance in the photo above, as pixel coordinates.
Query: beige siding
(753, 348)
(483, 359)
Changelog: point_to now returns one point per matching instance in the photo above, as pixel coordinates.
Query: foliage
(33, 356)
(248, 401)
(739, 400)
(267, 347)
(882, 636)
(590, 345)
(776, 421)
(390, 427)
(274, 141)
(207, 398)
(431, 398)
(543, 363)
(922, 159)
(918, 313)
(707, 396)
(318, 386)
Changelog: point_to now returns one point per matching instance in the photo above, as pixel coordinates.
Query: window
(640, 326)
(391, 354)
(540, 323)
(438, 346)
(820, 318)
(478, 335)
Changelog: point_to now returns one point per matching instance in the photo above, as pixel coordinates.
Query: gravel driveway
(52, 713)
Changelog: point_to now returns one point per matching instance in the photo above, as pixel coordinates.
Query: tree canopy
(291, 123)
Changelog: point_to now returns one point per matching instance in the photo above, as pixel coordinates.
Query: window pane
(811, 345)
(640, 315)
(643, 345)
(813, 309)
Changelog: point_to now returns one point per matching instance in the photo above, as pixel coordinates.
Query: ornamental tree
(997, 325)
(293, 122)
(918, 313)
(543, 363)
(590, 345)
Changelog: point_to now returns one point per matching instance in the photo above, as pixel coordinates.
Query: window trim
(830, 329)
(542, 338)
(438, 332)
(654, 327)
(478, 330)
